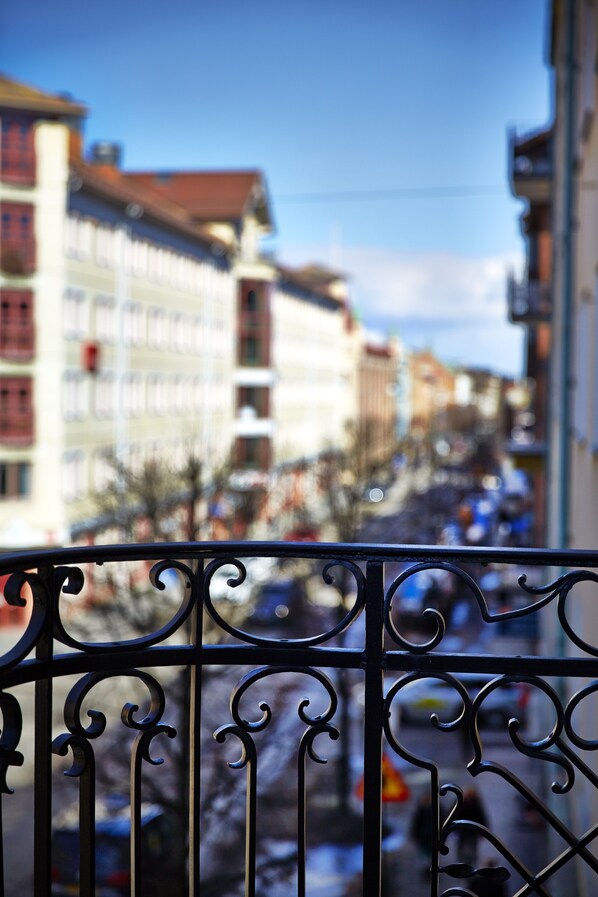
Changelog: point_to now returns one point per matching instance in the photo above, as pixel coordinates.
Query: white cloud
(455, 304)
(429, 286)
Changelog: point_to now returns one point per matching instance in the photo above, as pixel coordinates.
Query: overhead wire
(441, 192)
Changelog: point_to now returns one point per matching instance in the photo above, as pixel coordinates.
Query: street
(333, 859)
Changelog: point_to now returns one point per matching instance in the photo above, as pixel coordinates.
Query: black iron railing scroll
(246, 712)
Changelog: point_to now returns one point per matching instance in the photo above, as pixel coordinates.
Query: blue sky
(367, 120)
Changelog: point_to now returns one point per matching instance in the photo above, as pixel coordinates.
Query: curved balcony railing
(529, 301)
(174, 637)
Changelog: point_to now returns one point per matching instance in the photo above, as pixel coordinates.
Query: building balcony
(17, 342)
(18, 259)
(247, 423)
(528, 301)
(529, 455)
(224, 706)
(16, 428)
(531, 165)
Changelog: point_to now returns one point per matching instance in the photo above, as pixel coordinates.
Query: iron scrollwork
(245, 729)
(234, 581)
(43, 580)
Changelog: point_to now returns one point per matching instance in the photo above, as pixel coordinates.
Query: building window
(73, 475)
(105, 319)
(103, 469)
(133, 324)
(256, 398)
(251, 301)
(78, 235)
(133, 395)
(249, 350)
(17, 238)
(16, 411)
(254, 323)
(157, 328)
(180, 392)
(157, 394)
(17, 331)
(74, 395)
(75, 314)
(15, 480)
(180, 332)
(253, 452)
(106, 246)
(17, 153)
(104, 395)
(140, 258)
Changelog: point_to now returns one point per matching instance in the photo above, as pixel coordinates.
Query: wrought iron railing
(372, 645)
(529, 301)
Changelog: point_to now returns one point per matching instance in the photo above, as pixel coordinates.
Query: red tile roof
(210, 195)
(21, 97)
(111, 185)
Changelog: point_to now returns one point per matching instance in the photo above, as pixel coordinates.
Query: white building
(140, 318)
(117, 326)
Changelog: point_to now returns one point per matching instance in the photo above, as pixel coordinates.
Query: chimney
(106, 155)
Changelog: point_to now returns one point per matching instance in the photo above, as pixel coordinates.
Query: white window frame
(78, 237)
(133, 395)
(74, 470)
(105, 324)
(75, 314)
(133, 324)
(74, 395)
(104, 395)
(106, 246)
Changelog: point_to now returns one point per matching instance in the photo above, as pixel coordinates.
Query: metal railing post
(372, 736)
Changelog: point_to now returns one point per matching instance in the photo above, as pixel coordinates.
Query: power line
(394, 193)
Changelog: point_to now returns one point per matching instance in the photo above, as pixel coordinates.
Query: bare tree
(158, 500)
(346, 473)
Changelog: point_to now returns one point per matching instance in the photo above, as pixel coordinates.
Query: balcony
(528, 301)
(531, 166)
(132, 652)
(17, 341)
(19, 258)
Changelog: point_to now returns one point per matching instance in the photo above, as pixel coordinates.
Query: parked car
(422, 697)
(162, 851)
(279, 602)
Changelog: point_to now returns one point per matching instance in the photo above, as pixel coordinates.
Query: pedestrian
(422, 829)
(472, 809)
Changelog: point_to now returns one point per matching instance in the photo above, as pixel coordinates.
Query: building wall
(42, 511)
(141, 334)
(580, 382)
(163, 323)
(433, 387)
(157, 308)
(308, 356)
(575, 387)
(377, 414)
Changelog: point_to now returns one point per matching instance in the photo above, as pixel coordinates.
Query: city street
(333, 865)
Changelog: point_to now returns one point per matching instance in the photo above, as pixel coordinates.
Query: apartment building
(432, 392)
(310, 337)
(292, 332)
(140, 318)
(378, 384)
(118, 323)
(572, 313)
(530, 305)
